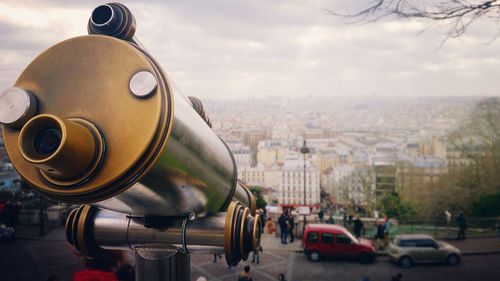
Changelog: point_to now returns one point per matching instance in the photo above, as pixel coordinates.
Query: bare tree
(458, 14)
(479, 141)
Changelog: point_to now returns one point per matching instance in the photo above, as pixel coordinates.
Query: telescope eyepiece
(65, 151)
(112, 19)
(102, 15)
(47, 141)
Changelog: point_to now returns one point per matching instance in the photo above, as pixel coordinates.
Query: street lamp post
(304, 150)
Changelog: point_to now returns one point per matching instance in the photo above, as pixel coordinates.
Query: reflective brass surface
(73, 159)
(161, 158)
(87, 77)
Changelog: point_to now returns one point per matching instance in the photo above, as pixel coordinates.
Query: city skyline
(238, 50)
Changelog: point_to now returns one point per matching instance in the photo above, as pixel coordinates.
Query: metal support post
(165, 264)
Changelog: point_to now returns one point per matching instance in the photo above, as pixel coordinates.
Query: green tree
(257, 192)
(392, 205)
(487, 205)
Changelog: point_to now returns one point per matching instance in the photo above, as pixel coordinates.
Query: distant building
(271, 152)
(291, 183)
(242, 155)
(252, 176)
(416, 175)
(385, 176)
(326, 160)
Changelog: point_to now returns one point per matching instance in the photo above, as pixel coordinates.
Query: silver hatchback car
(407, 250)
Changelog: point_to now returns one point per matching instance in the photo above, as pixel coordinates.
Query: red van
(330, 240)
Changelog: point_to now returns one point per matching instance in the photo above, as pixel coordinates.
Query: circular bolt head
(143, 84)
(17, 106)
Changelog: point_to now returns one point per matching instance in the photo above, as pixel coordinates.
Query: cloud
(240, 49)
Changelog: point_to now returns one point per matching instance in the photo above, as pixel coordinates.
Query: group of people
(286, 222)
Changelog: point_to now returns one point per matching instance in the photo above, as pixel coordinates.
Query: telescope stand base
(165, 264)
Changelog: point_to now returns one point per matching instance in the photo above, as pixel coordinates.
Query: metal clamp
(188, 217)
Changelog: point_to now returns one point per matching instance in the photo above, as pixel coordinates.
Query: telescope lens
(47, 141)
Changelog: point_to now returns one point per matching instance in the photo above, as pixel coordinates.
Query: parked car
(407, 250)
(327, 240)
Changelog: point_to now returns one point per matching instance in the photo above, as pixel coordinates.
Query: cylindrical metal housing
(159, 157)
(235, 233)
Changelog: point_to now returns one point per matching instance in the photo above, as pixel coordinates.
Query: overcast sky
(239, 49)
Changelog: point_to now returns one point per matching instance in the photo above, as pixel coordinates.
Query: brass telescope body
(94, 120)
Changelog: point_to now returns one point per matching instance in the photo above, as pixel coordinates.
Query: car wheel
(314, 256)
(405, 262)
(366, 258)
(453, 260)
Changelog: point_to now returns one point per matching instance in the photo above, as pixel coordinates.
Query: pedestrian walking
(358, 226)
(282, 221)
(462, 226)
(215, 257)
(263, 219)
(387, 229)
(380, 234)
(345, 218)
(321, 215)
(447, 215)
(245, 274)
(281, 277)
(256, 255)
(291, 225)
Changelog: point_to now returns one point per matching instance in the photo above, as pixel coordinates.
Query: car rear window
(407, 243)
(313, 237)
(327, 238)
(426, 243)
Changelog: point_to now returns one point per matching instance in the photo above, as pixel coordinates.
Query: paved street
(298, 268)
(26, 259)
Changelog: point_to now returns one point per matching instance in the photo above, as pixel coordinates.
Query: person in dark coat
(358, 226)
(291, 225)
(282, 221)
(321, 215)
(380, 235)
(263, 219)
(462, 226)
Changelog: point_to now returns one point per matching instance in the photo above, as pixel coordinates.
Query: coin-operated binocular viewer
(93, 120)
